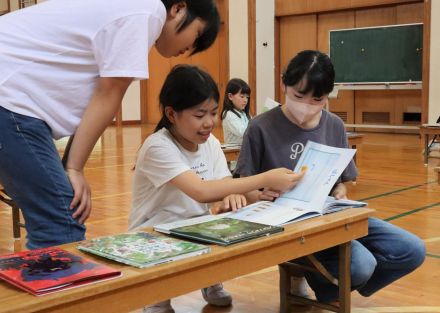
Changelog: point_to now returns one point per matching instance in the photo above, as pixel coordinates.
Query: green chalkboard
(388, 54)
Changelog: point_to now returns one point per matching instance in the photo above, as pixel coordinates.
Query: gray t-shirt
(272, 141)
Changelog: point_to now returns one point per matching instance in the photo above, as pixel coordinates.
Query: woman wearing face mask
(277, 138)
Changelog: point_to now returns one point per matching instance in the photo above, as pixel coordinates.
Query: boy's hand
(231, 203)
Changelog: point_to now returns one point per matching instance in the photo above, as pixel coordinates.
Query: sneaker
(216, 295)
(298, 286)
(161, 307)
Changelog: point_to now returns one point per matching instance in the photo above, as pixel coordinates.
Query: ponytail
(164, 122)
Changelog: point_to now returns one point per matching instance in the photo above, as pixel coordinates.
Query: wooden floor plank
(392, 178)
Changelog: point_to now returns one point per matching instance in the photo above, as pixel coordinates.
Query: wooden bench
(139, 287)
(426, 132)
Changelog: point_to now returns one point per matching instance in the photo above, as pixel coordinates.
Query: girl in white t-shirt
(181, 167)
(235, 113)
(65, 67)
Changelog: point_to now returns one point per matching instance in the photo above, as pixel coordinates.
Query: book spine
(199, 237)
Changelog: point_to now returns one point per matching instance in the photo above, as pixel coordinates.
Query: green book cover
(142, 249)
(225, 231)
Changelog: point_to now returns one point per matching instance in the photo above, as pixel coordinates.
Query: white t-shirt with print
(52, 54)
(161, 159)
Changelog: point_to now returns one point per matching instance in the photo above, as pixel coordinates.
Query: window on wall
(26, 3)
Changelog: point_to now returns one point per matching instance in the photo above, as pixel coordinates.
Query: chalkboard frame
(384, 84)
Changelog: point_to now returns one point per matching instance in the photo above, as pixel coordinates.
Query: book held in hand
(309, 198)
(218, 229)
(142, 249)
(48, 270)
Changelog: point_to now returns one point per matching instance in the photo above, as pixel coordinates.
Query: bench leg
(344, 278)
(426, 151)
(16, 222)
(284, 290)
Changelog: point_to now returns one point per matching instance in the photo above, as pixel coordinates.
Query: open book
(273, 213)
(142, 249)
(309, 197)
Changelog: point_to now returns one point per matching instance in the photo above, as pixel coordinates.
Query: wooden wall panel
(159, 69)
(426, 58)
(344, 105)
(297, 7)
(408, 100)
(410, 13)
(366, 13)
(252, 54)
(296, 34)
(376, 17)
(378, 100)
(394, 101)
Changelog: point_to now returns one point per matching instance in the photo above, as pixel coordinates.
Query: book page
(325, 165)
(266, 212)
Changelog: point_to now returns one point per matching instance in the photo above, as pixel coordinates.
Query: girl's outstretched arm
(215, 190)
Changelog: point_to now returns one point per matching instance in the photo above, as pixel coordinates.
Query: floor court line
(397, 190)
(404, 309)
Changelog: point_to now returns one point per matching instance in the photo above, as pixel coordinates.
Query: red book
(48, 270)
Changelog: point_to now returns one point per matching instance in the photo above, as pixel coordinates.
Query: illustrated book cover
(218, 229)
(142, 249)
(47, 270)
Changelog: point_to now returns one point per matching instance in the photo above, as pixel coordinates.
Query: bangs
(245, 90)
(317, 83)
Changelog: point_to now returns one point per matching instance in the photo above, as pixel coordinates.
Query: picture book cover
(48, 270)
(225, 231)
(142, 249)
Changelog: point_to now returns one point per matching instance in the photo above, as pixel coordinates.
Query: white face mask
(303, 112)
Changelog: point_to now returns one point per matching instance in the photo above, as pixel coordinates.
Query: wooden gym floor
(393, 180)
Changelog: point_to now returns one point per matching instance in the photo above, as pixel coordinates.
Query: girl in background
(181, 168)
(235, 113)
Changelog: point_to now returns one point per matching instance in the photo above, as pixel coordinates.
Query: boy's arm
(105, 102)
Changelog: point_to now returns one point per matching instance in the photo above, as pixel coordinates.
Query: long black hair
(234, 86)
(185, 86)
(317, 69)
(207, 11)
